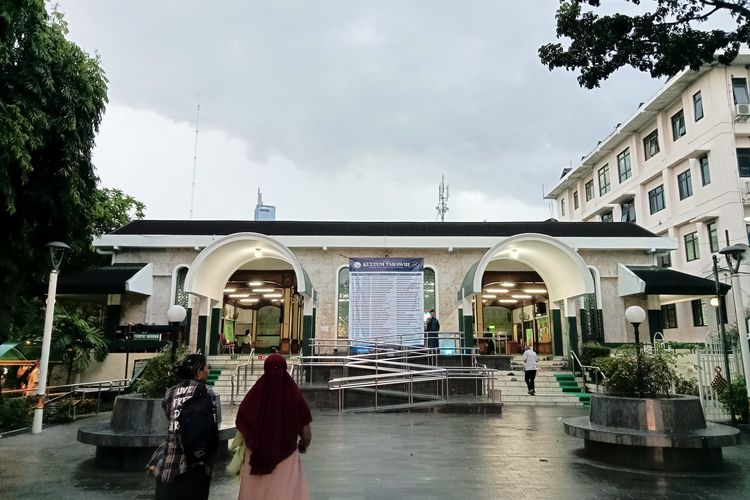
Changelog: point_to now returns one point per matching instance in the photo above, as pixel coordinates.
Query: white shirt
(529, 360)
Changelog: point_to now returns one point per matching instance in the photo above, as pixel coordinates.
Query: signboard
(147, 336)
(386, 300)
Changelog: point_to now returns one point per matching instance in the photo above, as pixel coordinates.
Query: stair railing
(236, 381)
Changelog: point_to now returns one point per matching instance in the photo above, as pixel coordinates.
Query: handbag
(238, 458)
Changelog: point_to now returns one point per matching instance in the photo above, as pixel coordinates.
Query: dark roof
(323, 228)
(97, 281)
(661, 281)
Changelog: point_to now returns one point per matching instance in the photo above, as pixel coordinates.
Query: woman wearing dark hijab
(274, 420)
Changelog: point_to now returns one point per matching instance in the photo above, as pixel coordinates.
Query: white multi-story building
(679, 167)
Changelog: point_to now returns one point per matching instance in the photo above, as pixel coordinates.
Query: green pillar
(468, 331)
(573, 333)
(200, 345)
(557, 333)
(112, 321)
(213, 343)
(308, 333)
(654, 323)
(186, 327)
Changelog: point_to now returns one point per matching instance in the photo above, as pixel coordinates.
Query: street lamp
(56, 251)
(636, 315)
(715, 302)
(736, 255)
(175, 315)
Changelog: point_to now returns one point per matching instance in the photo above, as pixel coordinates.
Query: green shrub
(589, 352)
(734, 398)
(686, 386)
(160, 373)
(657, 374)
(16, 413)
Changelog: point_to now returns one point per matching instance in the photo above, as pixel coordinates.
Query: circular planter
(660, 434)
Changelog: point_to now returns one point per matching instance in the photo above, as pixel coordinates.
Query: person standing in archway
(432, 327)
(529, 365)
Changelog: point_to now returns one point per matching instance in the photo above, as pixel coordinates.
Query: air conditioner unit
(742, 109)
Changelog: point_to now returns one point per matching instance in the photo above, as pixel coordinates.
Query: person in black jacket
(432, 327)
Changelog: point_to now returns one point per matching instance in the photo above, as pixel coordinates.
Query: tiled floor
(522, 454)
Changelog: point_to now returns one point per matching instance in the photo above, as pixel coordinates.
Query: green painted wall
(201, 341)
(308, 324)
(573, 333)
(557, 333)
(213, 344)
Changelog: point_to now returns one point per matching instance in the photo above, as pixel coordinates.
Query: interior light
(496, 290)
(272, 295)
(521, 296)
(747, 219)
(249, 300)
(258, 253)
(238, 295)
(714, 302)
(514, 253)
(255, 283)
(230, 290)
(535, 290)
(507, 284)
(263, 290)
(489, 296)
(508, 301)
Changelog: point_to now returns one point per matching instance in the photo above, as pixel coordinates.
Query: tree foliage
(52, 96)
(77, 341)
(655, 379)
(664, 38)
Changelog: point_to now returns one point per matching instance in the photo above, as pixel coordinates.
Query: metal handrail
(234, 389)
(584, 368)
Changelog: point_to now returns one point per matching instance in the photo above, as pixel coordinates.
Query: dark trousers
(192, 485)
(529, 376)
(432, 340)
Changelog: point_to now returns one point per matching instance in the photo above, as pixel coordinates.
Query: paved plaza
(522, 454)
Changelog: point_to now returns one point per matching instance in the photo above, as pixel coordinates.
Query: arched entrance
(254, 290)
(520, 287)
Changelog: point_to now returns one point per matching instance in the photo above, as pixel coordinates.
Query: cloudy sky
(340, 110)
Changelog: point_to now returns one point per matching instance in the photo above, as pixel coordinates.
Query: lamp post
(56, 251)
(636, 315)
(715, 302)
(736, 255)
(175, 315)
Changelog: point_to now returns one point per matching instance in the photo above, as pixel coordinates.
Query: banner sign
(386, 300)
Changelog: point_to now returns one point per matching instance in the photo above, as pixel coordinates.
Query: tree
(662, 40)
(77, 341)
(52, 96)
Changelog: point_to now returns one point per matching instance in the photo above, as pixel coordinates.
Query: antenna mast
(442, 206)
(195, 157)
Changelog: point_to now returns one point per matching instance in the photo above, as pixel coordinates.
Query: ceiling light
(508, 301)
(489, 296)
(238, 295)
(258, 253)
(255, 283)
(230, 290)
(272, 295)
(263, 290)
(535, 290)
(521, 296)
(248, 300)
(747, 219)
(496, 290)
(507, 284)
(484, 302)
(514, 253)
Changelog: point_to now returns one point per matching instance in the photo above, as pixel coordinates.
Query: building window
(607, 217)
(342, 320)
(664, 260)
(656, 199)
(685, 184)
(691, 246)
(562, 207)
(705, 171)
(669, 316)
(743, 161)
(678, 125)
(628, 211)
(589, 190)
(739, 89)
(651, 144)
(604, 180)
(575, 200)
(623, 165)
(713, 237)
(697, 307)
(697, 106)
(181, 297)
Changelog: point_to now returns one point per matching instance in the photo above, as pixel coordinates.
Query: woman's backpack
(198, 430)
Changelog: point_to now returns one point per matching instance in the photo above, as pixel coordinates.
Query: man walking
(432, 327)
(529, 365)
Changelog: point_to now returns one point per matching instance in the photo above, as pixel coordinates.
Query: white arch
(217, 262)
(562, 269)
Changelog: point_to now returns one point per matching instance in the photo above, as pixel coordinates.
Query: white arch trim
(562, 269)
(217, 262)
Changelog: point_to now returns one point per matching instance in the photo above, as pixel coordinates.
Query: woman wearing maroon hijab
(274, 420)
